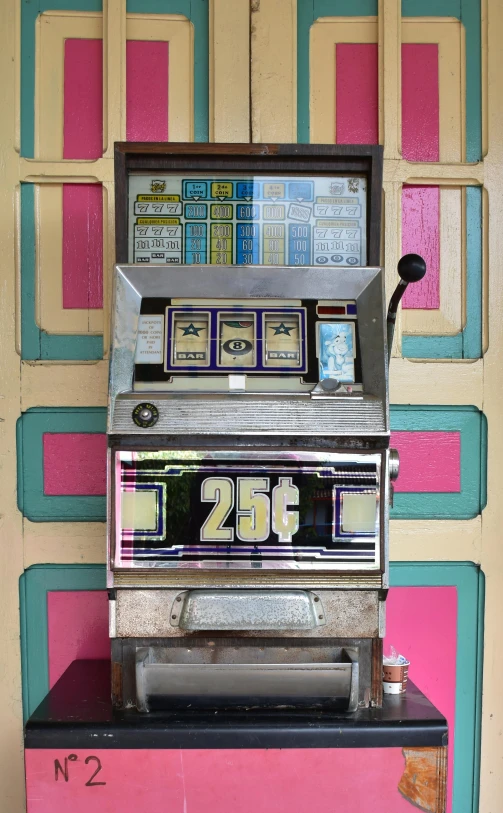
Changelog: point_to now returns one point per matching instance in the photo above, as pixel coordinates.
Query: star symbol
(282, 328)
(191, 330)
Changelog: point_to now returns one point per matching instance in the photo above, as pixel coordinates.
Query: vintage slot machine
(249, 462)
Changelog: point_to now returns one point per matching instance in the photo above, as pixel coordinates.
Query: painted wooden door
(425, 80)
(78, 75)
(417, 77)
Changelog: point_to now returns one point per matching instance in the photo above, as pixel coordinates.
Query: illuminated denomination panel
(196, 509)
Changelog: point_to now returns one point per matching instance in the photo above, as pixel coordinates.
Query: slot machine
(250, 474)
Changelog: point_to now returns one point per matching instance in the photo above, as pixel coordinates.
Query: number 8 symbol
(239, 347)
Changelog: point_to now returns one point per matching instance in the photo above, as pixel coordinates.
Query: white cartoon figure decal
(336, 348)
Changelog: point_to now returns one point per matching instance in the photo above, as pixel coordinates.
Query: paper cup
(395, 678)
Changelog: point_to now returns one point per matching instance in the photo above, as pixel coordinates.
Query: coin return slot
(261, 674)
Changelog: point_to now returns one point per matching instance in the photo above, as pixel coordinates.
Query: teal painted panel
(471, 425)
(468, 421)
(471, 17)
(469, 581)
(38, 580)
(341, 8)
(431, 8)
(30, 333)
(468, 343)
(34, 585)
(32, 501)
(305, 18)
(36, 343)
(195, 10)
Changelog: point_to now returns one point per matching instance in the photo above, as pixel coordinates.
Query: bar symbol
(190, 339)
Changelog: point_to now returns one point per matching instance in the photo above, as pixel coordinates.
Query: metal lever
(411, 268)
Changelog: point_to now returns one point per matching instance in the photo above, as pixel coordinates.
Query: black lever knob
(411, 268)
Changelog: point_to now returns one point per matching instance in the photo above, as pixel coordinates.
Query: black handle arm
(411, 268)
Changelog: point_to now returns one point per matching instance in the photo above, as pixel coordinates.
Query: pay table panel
(223, 220)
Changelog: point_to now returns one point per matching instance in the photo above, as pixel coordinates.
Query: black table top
(77, 713)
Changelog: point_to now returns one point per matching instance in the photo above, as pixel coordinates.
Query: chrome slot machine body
(248, 423)
(248, 512)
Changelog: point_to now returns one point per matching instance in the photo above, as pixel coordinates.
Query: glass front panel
(219, 340)
(241, 510)
(184, 343)
(238, 220)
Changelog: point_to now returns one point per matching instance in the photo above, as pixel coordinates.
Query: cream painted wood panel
(491, 790)
(230, 70)
(274, 71)
(421, 541)
(85, 384)
(11, 541)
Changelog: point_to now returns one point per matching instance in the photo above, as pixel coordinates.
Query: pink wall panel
(420, 102)
(429, 461)
(82, 246)
(77, 628)
(293, 780)
(83, 99)
(357, 112)
(74, 464)
(146, 91)
(421, 623)
(421, 235)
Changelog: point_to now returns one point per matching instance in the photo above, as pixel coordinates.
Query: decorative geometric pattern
(62, 269)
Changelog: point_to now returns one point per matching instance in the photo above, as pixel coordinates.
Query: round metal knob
(145, 415)
(394, 464)
(330, 384)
